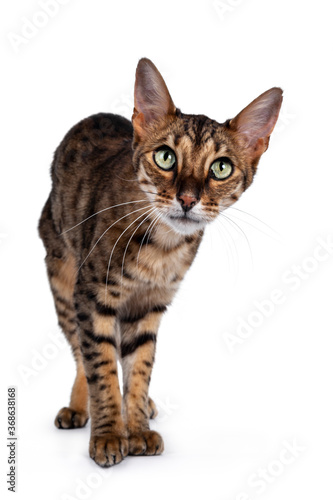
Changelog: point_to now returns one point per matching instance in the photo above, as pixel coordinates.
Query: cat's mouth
(185, 219)
(184, 224)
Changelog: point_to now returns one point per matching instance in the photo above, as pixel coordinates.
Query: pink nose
(187, 202)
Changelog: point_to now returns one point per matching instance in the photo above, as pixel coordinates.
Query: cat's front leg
(97, 330)
(137, 358)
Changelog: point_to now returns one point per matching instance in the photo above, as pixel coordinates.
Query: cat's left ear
(254, 125)
(152, 101)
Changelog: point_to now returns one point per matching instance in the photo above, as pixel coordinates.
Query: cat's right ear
(152, 101)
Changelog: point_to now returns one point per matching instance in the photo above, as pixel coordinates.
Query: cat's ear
(254, 125)
(152, 101)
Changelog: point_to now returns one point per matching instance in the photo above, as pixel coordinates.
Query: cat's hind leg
(61, 269)
(62, 279)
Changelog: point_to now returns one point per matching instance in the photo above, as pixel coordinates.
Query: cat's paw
(145, 443)
(152, 410)
(108, 450)
(67, 418)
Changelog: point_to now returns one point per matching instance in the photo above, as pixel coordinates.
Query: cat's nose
(187, 202)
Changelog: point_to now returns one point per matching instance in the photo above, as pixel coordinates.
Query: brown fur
(119, 240)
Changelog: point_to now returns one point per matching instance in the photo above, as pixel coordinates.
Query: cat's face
(192, 167)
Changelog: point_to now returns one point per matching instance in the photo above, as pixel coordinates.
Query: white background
(225, 413)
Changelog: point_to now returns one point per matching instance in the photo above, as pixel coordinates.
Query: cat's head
(190, 166)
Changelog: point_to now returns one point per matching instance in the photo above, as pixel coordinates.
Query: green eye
(165, 158)
(221, 169)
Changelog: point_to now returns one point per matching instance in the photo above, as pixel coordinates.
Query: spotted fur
(120, 234)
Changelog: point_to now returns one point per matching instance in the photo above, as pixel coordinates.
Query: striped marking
(139, 316)
(129, 347)
(105, 310)
(99, 339)
(102, 363)
(89, 356)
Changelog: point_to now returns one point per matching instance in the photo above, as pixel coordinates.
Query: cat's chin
(184, 225)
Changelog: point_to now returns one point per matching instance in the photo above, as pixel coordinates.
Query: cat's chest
(157, 265)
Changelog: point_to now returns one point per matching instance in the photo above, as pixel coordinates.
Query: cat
(123, 222)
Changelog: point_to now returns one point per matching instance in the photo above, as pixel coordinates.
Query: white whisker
(127, 180)
(100, 211)
(224, 239)
(232, 246)
(155, 226)
(240, 230)
(276, 235)
(129, 241)
(141, 244)
(114, 246)
(142, 208)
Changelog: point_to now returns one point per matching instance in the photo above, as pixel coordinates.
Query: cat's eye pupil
(165, 158)
(221, 169)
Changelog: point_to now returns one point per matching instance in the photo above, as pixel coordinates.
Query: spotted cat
(125, 217)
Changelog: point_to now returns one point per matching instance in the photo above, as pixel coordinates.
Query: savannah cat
(123, 222)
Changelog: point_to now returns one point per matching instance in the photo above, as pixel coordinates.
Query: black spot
(189, 239)
(82, 317)
(93, 379)
(85, 344)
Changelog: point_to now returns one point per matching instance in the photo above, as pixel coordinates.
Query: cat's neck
(167, 239)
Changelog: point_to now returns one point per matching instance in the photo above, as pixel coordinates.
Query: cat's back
(88, 166)
(92, 144)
